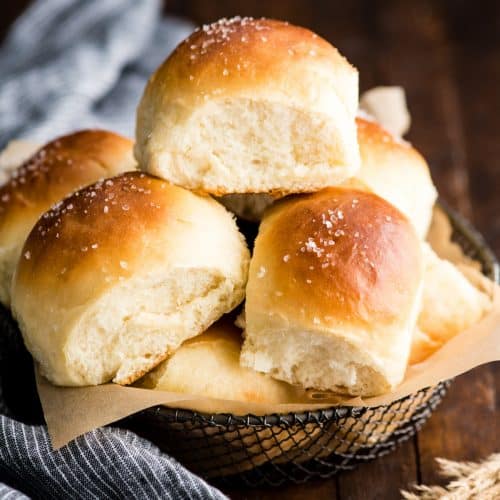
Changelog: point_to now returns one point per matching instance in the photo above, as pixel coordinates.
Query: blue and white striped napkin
(69, 64)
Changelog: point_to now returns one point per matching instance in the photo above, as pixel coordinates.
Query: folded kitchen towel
(105, 463)
(69, 64)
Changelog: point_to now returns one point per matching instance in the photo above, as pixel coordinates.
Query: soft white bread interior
(333, 292)
(390, 167)
(397, 172)
(209, 365)
(118, 275)
(53, 172)
(247, 105)
(450, 305)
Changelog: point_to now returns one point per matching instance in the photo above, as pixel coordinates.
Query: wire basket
(272, 449)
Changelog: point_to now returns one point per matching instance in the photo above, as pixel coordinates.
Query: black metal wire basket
(257, 450)
(273, 449)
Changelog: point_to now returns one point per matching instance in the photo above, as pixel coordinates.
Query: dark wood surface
(446, 54)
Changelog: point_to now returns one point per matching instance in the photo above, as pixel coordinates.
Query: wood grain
(383, 478)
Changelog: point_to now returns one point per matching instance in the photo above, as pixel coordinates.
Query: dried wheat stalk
(478, 481)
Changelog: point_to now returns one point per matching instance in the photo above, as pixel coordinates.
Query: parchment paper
(70, 412)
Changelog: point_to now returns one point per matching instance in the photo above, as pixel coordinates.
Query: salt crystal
(27, 255)
(262, 272)
(310, 245)
(286, 258)
(123, 264)
(105, 209)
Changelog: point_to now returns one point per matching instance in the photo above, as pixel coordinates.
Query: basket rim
(286, 419)
(490, 267)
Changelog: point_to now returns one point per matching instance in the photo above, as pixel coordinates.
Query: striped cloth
(106, 463)
(70, 64)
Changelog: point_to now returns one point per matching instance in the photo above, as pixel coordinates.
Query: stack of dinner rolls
(122, 270)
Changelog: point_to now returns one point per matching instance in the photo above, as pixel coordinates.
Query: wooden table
(447, 57)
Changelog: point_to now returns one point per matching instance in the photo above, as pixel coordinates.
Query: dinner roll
(247, 105)
(209, 365)
(450, 305)
(333, 292)
(390, 167)
(56, 170)
(118, 275)
(397, 172)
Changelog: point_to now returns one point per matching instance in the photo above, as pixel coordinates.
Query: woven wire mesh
(272, 449)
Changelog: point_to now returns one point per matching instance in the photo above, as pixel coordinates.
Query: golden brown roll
(397, 172)
(450, 305)
(55, 171)
(246, 105)
(209, 365)
(333, 292)
(118, 275)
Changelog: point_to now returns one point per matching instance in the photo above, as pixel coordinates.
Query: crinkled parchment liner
(70, 412)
